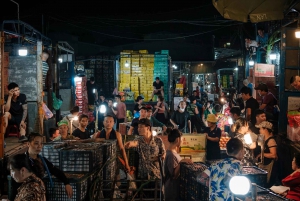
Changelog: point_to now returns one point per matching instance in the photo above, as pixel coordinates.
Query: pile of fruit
(223, 141)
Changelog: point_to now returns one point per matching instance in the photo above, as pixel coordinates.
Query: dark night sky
(98, 21)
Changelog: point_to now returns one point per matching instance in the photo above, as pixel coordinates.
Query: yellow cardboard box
(134, 87)
(134, 79)
(143, 80)
(125, 71)
(134, 75)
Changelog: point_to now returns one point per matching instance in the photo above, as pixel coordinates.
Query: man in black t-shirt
(92, 92)
(251, 104)
(81, 132)
(134, 124)
(158, 88)
(181, 119)
(16, 109)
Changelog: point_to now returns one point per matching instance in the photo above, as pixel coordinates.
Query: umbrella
(256, 10)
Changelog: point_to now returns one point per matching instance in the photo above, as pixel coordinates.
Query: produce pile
(223, 141)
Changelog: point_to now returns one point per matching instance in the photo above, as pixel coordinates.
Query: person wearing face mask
(181, 119)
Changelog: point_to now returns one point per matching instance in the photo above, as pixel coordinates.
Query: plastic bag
(48, 114)
(56, 102)
(132, 185)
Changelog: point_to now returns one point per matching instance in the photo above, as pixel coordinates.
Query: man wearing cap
(158, 88)
(133, 130)
(154, 122)
(213, 136)
(181, 119)
(150, 149)
(268, 100)
(63, 131)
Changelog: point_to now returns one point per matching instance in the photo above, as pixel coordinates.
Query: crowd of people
(251, 123)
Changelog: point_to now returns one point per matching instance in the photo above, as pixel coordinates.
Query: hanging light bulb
(115, 104)
(126, 64)
(75, 118)
(251, 62)
(23, 51)
(272, 56)
(154, 133)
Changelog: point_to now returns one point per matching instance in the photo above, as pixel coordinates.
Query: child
(219, 173)
(53, 133)
(81, 131)
(172, 166)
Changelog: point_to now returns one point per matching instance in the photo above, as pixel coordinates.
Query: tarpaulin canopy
(256, 10)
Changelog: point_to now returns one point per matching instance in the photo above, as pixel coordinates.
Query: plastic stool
(12, 131)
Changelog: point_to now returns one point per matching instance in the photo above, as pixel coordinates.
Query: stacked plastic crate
(146, 76)
(135, 74)
(161, 69)
(81, 94)
(125, 71)
(80, 164)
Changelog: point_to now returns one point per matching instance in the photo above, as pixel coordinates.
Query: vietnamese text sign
(263, 70)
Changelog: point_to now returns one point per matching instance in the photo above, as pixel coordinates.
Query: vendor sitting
(63, 130)
(158, 88)
(15, 109)
(153, 120)
(133, 130)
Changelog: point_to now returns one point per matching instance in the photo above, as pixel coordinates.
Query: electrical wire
(130, 38)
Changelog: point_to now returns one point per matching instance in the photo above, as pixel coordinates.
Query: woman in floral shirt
(150, 148)
(32, 187)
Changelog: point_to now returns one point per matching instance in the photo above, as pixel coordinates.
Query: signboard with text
(263, 70)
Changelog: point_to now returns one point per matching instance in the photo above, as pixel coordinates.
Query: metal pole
(40, 87)
(18, 20)
(2, 94)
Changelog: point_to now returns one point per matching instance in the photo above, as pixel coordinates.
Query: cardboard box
(134, 87)
(193, 142)
(143, 80)
(134, 79)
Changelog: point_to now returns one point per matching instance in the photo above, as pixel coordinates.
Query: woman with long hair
(32, 187)
(240, 128)
(160, 110)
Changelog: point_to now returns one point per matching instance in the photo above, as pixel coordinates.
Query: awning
(256, 10)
